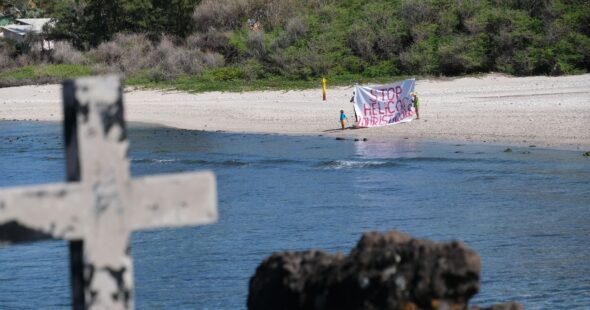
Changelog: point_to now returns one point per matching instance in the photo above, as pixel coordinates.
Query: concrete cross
(102, 205)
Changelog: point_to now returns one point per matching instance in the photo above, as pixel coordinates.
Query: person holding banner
(416, 102)
(343, 119)
(356, 119)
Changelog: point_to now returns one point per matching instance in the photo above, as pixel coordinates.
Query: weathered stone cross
(101, 206)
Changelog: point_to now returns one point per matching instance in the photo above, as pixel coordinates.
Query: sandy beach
(548, 112)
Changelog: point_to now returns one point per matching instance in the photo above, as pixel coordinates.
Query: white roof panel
(36, 23)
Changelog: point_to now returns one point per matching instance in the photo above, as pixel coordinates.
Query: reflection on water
(387, 149)
(526, 212)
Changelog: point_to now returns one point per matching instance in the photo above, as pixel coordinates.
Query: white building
(25, 26)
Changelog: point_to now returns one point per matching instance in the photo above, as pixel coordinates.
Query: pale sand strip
(551, 112)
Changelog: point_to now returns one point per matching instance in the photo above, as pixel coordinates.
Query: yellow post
(324, 89)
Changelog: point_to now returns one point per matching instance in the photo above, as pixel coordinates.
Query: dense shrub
(420, 58)
(212, 60)
(65, 53)
(307, 39)
(461, 54)
(134, 51)
(7, 51)
(272, 13)
(253, 70)
(162, 60)
(108, 53)
(233, 14)
(213, 41)
(362, 40)
(300, 63)
(6, 61)
(175, 60)
(228, 74)
(126, 53)
(295, 28)
(256, 44)
(220, 14)
(418, 12)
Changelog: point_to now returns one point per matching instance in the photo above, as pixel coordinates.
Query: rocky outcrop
(384, 271)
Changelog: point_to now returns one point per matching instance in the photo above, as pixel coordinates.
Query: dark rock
(586, 154)
(365, 139)
(508, 150)
(384, 271)
(356, 139)
(505, 306)
(340, 138)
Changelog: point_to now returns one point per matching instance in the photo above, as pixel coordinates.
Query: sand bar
(548, 112)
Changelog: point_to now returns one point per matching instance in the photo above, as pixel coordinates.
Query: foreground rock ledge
(384, 271)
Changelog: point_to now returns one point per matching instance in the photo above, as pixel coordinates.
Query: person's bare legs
(417, 113)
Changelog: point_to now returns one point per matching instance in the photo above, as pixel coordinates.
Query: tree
(90, 22)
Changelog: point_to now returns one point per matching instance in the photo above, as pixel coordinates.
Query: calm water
(526, 212)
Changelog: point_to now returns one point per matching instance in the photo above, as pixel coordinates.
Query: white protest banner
(384, 104)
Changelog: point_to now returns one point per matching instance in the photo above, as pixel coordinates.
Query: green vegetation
(268, 44)
(47, 73)
(208, 81)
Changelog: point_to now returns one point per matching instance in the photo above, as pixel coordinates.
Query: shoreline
(448, 143)
(547, 112)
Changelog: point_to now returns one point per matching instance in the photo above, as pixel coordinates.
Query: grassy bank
(204, 83)
(42, 74)
(212, 80)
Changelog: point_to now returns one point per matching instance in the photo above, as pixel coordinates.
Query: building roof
(23, 26)
(17, 29)
(36, 24)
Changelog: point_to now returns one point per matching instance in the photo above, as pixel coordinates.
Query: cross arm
(174, 200)
(42, 212)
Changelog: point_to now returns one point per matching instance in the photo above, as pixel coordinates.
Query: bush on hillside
(65, 53)
(7, 52)
(108, 53)
(234, 14)
(295, 28)
(126, 53)
(420, 58)
(212, 60)
(308, 39)
(272, 13)
(461, 54)
(220, 14)
(213, 41)
(175, 60)
(362, 41)
(6, 61)
(253, 70)
(256, 45)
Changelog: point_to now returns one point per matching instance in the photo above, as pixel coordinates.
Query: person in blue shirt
(343, 119)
